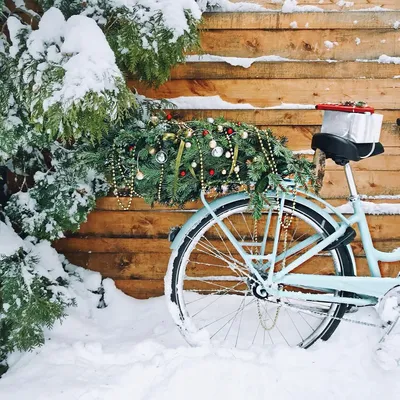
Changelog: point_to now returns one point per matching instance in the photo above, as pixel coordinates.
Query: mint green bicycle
(290, 278)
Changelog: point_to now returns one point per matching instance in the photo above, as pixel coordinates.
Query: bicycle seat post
(351, 182)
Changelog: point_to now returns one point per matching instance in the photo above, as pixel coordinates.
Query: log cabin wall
(132, 246)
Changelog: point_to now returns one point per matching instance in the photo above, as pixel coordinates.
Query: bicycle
(238, 283)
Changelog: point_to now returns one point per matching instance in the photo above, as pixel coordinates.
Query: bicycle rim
(211, 298)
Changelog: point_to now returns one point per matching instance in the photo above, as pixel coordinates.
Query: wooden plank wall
(132, 247)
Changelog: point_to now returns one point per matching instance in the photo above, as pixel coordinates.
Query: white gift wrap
(359, 128)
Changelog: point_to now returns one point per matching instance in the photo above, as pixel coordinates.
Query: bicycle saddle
(341, 150)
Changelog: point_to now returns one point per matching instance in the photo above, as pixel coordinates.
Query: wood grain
(128, 224)
(310, 20)
(382, 93)
(329, 5)
(302, 44)
(277, 117)
(285, 70)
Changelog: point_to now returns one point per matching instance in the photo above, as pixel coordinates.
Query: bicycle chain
(285, 305)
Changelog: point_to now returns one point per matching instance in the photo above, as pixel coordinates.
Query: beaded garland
(176, 160)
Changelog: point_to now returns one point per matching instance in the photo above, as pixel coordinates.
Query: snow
(384, 59)
(330, 45)
(244, 62)
(215, 102)
(293, 25)
(227, 6)
(396, 25)
(10, 242)
(132, 350)
(290, 6)
(91, 67)
(372, 208)
(172, 11)
(358, 41)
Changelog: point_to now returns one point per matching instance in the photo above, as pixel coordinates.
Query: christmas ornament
(210, 120)
(236, 169)
(189, 133)
(188, 145)
(139, 175)
(205, 132)
(213, 144)
(194, 164)
(161, 157)
(211, 172)
(238, 123)
(229, 131)
(182, 173)
(217, 151)
(154, 120)
(228, 154)
(152, 151)
(220, 128)
(169, 117)
(223, 172)
(244, 135)
(131, 148)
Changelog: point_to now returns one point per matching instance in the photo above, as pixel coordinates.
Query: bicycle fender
(198, 216)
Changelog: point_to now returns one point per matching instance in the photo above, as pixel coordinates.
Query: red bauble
(229, 131)
(239, 123)
(182, 173)
(131, 148)
(211, 172)
(169, 117)
(205, 132)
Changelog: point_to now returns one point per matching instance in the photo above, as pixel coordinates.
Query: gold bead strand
(161, 175)
(203, 186)
(234, 164)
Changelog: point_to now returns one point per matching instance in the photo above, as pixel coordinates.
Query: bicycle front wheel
(213, 296)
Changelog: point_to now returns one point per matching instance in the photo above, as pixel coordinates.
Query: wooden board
(82, 247)
(157, 224)
(329, 5)
(302, 44)
(277, 117)
(110, 204)
(368, 182)
(381, 93)
(309, 20)
(299, 137)
(286, 70)
(154, 266)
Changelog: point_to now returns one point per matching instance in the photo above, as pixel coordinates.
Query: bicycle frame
(368, 289)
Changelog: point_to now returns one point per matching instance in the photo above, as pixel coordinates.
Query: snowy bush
(33, 291)
(66, 76)
(148, 36)
(60, 200)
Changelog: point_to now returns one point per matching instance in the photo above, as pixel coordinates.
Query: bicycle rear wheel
(211, 292)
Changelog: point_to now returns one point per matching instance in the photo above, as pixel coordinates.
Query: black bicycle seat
(341, 150)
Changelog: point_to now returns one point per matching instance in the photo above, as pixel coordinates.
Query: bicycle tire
(174, 288)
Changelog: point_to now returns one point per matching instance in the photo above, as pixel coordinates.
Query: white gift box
(359, 128)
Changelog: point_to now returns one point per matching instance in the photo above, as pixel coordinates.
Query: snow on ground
(132, 350)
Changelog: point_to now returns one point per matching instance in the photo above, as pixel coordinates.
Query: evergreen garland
(212, 154)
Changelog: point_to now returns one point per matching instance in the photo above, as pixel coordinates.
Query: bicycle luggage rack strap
(344, 240)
